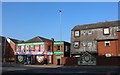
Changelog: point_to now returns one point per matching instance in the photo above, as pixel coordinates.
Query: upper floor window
(107, 43)
(89, 32)
(32, 48)
(76, 44)
(89, 44)
(49, 47)
(18, 49)
(106, 31)
(83, 32)
(58, 47)
(76, 33)
(22, 49)
(66, 48)
(27, 48)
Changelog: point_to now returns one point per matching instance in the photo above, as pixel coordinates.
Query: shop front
(58, 57)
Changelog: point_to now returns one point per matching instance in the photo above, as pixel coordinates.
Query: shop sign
(58, 43)
(58, 53)
(40, 43)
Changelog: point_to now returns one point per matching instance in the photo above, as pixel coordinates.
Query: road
(53, 70)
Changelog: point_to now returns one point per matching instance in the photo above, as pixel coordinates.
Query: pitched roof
(97, 25)
(37, 39)
(14, 40)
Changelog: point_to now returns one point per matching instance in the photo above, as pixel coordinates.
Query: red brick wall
(51, 48)
(118, 33)
(107, 61)
(54, 56)
(112, 49)
(69, 61)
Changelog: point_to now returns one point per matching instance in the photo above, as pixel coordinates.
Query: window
(18, 49)
(107, 43)
(77, 33)
(22, 49)
(83, 32)
(89, 32)
(106, 31)
(32, 48)
(89, 44)
(49, 47)
(76, 44)
(27, 48)
(58, 47)
(66, 48)
(83, 44)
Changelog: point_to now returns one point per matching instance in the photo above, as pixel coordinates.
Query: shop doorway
(28, 59)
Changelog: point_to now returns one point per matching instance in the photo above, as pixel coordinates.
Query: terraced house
(85, 41)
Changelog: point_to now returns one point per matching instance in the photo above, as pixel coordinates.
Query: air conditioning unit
(108, 55)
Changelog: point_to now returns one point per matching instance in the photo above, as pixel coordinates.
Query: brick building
(8, 47)
(61, 49)
(39, 50)
(109, 47)
(35, 51)
(84, 40)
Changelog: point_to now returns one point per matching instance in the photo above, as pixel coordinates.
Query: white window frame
(76, 33)
(106, 31)
(76, 42)
(106, 43)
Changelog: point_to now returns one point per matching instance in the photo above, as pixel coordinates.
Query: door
(58, 61)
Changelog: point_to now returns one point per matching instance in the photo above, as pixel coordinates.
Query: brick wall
(112, 49)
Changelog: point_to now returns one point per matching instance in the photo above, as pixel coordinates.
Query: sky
(25, 20)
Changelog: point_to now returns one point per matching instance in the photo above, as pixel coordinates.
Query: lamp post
(60, 33)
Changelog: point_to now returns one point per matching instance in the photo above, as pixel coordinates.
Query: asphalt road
(59, 70)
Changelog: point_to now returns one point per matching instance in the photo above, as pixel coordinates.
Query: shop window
(77, 33)
(106, 31)
(107, 43)
(76, 44)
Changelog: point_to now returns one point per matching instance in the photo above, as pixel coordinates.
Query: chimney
(52, 39)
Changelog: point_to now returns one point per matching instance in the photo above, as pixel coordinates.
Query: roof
(97, 25)
(37, 39)
(14, 40)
